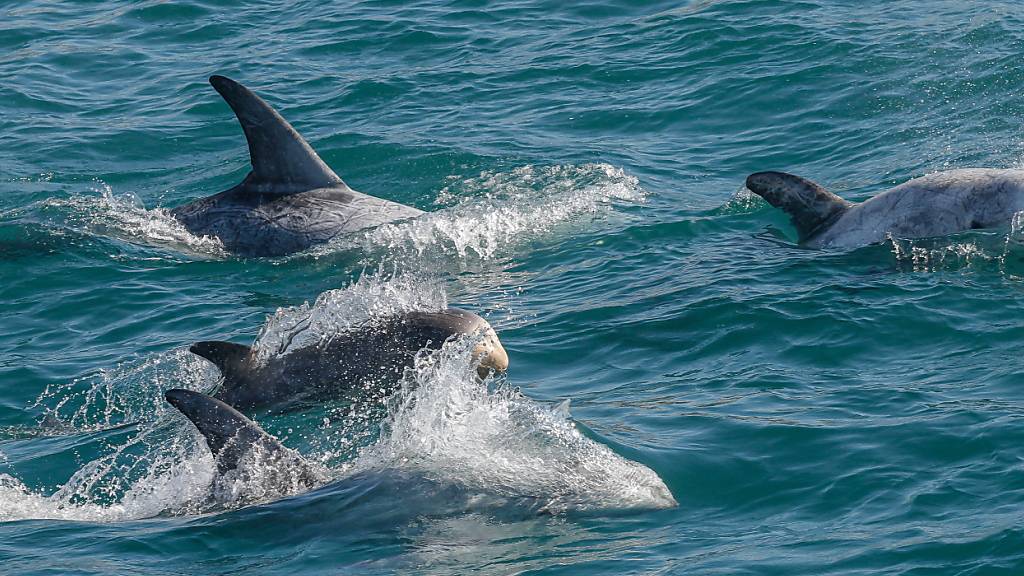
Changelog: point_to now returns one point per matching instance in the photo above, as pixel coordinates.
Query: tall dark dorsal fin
(282, 161)
(810, 207)
(228, 357)
(228, 433)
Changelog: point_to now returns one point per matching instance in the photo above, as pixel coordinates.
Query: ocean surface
(690, 392)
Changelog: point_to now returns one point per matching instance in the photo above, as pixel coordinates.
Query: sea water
(689, 392)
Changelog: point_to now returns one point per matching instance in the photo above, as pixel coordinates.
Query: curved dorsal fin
(810, 207)
(228, 433)
(282, 161)
(228, 357)
(233, 439)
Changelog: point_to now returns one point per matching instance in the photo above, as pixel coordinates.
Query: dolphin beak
(491, 354)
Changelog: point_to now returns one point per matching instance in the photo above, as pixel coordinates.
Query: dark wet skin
(375, 356)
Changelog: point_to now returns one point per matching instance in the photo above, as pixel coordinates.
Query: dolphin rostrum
(291, 199)
(933, 205)
(377, 353)
(233, 438)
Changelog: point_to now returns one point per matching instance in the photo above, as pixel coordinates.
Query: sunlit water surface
(689, 391)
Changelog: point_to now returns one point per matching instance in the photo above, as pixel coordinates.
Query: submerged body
(291, 199)
(377, 354)
(934, 205)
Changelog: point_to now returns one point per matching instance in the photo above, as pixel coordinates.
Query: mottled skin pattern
(268, 224)
(934, 205)
(378, 355)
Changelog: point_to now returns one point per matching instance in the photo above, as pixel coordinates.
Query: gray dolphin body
(291, 199)
(378, 353)
(933, 205)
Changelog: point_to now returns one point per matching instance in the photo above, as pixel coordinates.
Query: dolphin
(291, 199)
(234, 439)
(933, 205)
(377, 353)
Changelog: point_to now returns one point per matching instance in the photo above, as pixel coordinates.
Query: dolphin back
(377, 354)
(811, 208)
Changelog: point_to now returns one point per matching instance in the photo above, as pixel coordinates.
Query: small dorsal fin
(282, 161)
(810, 207)
(228, 357)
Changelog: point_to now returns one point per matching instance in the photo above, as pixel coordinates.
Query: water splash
(148, 468)
(494, 213)
(445, 427)
(131, 392)
(263, 476)
(451, 427)
(974, 250)
(499, 212)
(925, 256)
(372, 298)
(150, 473)
(741, 202)
(124, 217)
(164, 468)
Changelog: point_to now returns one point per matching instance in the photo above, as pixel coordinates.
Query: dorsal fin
(282, 161)
(228, 357)
(228, 433)
(810, 207)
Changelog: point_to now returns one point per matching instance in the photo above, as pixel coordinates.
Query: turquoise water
(810, 412)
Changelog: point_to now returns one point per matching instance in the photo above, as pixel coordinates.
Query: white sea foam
(500, 211)
(124, 217)
(450, 427)
(373, 297)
